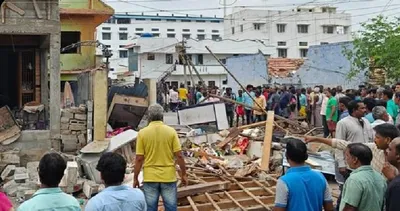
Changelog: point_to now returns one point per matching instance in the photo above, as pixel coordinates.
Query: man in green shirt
(365, 188)
(391, 106)
(331, 111)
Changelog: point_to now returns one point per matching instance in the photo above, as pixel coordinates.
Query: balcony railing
(202, 69)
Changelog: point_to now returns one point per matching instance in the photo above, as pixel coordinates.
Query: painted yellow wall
(85, 23)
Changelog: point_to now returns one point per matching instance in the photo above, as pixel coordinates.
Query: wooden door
(28, 76)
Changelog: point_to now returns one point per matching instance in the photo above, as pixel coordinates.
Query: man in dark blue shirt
(308, 189)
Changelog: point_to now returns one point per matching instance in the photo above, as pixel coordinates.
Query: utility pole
(184, 63)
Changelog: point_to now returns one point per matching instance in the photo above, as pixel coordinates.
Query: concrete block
(64, 126)
(89, 163)
(90, 188)
(65, 132)
(77, 110)
(65, 120)
(20, 170)
(77, 127)
(10, 187)
(66, 113)
(73, 133)
(82, 139)
(8, 171)
(32, 168)
(69, 139)
(70, 178)
(56, 144)
(21, 178)
(80, 116)
(77, 122)
(70, 147)
(10, 157)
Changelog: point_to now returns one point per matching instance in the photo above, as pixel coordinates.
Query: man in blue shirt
(116, 197)
(248, 100)
(308, 189)
(343, 104)
(50, 196)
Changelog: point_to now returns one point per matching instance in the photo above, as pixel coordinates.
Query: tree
(377, 45)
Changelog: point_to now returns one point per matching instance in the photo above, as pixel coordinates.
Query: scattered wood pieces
(202, 188)
(234, 133)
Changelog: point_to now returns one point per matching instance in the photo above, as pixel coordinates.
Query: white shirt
(377, 122)
(174, 97)
(324, 104)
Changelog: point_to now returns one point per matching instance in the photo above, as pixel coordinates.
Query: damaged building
(30, 61)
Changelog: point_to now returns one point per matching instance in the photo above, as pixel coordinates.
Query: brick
(77, 122)
(69, 138)
(76, 110)
(80, 116)
(77, 127)
(90, 188)
(70, 178)
(73, 133)
(8, 171)
(64, 126)
(10, 157)
(21, 178)
(82, 139)
(70, 147)
(65, 120)
(32, 170)
(65, 132)
(67, 114)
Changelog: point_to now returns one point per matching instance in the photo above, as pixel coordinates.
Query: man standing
(316, 117)
(174, 97)
(303, 103)
(118, 197)
(301, 188)
(324, 104)
(355, 129)
(239, 108)
(157, 147)
(365, 188)
(343, 104)
(380, 115)
(331, 111)
(284, 102)
(393, 191)
(183, 94)
(259, 115)
(229, 106)
(50, 196)
(391, 106)
(248, 100)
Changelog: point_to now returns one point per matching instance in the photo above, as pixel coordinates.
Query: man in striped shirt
(384, 134)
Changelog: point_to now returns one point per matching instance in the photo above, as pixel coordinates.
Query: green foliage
(378, 44)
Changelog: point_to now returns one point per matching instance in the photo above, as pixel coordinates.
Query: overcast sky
(361, 10)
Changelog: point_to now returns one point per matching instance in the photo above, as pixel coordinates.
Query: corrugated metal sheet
(325, 65)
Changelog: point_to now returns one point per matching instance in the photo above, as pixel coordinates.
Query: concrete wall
(48, 25)
(326, 65)
(248, 69)
(269, 33)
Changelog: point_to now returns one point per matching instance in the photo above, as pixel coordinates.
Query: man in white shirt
(174, 98)
(324, 103)
(380, 115)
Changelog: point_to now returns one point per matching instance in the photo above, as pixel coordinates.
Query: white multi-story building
(156, 56)
(119, 31)
(292, 32)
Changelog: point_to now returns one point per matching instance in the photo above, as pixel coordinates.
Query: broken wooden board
(203, 188)
(9, 129)
(234, 133)
(269, 129)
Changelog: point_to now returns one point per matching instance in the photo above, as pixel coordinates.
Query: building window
(140, 19)
(201, 30)
(328, 29)
(257, 26)
(215, 37)
(303, 43)
(223, 61)
(200, 59)
(282, 52)
(211, 84)
(123, 29)
(123, 36)
(186, 36)
(123, 20)
(106, 28)
(171, 35)
(139, 29)
(281, 43)
(281, 28)
(123, 54)
(155, 19)
(233, 30)
(108, 46)
(110, 20)
(169, 59)
(241, 28)
(186, 21)
(151, 56)
(156, 34)
(201, 37)
(155, 30)
(302, 29)
(200, 21)
(106, 36)
(324, 43)
(171, 20)
(186, 30)
(122, 46)
(303, 53)
(214, 21)
(69, 38)
(170, 30)
(224, 82)
(215, 31)
(346, 29)
(138, 34)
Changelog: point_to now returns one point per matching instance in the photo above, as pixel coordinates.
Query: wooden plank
(265, 188)
(237, 194)
(202, 188)
(215, 205)
(100, 104)
(192, 203)
(37, 10)
(3, 12)
(16, 9)
(234, 133)
(247, 203)
(234, 201)
(269, 129)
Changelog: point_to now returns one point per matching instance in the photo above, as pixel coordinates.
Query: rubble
(74, 128)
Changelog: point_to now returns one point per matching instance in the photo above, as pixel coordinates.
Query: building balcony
(202, 69)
